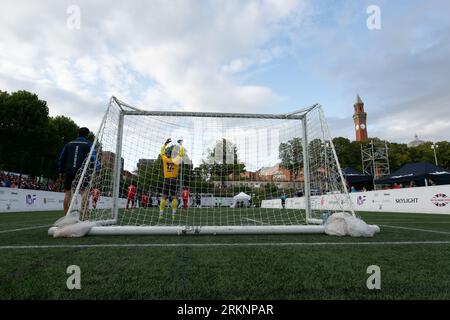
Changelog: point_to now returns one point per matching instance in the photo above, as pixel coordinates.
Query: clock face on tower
(362, 126)
(357, 127)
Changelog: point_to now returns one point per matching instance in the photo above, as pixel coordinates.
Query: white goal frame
(108, 227)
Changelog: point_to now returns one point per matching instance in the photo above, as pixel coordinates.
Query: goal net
(219, 173)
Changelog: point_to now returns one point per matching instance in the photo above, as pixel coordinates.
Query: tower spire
(358, 99)
(359, 119)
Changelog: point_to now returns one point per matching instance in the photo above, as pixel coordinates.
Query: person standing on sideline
(198, 200)
(70, 161)
(283, 200)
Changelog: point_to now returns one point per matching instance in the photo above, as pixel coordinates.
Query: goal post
(270, 173)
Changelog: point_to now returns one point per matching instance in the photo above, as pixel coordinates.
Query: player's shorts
(69, 177)
(169, 187)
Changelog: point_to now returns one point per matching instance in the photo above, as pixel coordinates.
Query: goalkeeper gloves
(168, 141)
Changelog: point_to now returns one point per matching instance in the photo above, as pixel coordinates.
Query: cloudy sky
(236, 55)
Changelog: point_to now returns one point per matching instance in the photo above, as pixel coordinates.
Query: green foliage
(291, 155)
(443, 153)
(401, 154)
(219, 166)
(270, 189)
(31, 140)
(348, 153)
(24, 132)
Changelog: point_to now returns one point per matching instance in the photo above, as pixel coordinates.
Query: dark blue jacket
(73, 155)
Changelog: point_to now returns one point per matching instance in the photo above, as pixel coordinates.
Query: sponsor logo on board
(30, 199)
(440, 200)
(407, 200)
(360, 200)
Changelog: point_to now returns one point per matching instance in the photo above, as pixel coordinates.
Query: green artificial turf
(32, 266)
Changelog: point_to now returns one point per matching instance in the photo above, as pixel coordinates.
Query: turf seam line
(255, 244)
(411, 222)
(255, 221)
(28, 228)
(415, 229)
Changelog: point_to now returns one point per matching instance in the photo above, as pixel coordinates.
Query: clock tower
(359, 118)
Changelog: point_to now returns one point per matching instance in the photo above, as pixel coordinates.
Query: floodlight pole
(434, 146)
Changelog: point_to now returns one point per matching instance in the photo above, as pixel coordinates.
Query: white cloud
(200, 55)
(158, 54)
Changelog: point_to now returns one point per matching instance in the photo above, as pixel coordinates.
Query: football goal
(210, 173)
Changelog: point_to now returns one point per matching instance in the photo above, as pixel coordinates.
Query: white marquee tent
(241, 197)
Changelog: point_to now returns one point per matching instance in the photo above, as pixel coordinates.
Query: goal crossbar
(126, 109)
(212, 115)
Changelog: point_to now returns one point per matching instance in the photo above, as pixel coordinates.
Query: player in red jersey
(95, 197)
(131, 197)
(144, 200)
(185, 197)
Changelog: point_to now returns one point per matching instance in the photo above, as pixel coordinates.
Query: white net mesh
(235, 170)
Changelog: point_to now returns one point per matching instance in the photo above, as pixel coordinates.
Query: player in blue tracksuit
(283, 200)
(71, 160)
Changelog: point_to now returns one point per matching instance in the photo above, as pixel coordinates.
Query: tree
(222, 162)
(443, 153)
(24, 130)
(291, 155)
(348, 152)
(399, 155)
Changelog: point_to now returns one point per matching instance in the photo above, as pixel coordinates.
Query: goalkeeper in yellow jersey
(171, 164)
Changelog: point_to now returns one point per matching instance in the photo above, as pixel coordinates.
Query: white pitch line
(411, 221)
(253, 244)
(28, 228)
(415, 229)
(255, 221)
